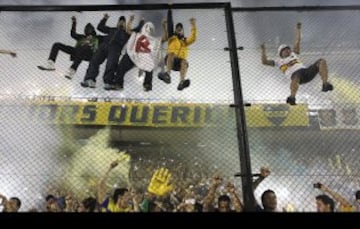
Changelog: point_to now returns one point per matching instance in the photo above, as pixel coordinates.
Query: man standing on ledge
(292, 67)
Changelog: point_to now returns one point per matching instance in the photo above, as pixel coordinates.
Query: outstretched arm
(102, 27)
(164, 36)
(193, 34)
(235, 198)
(101, 189)
(13, 54)
(138, 28)
(297, 38)
(128, 25)
(264, 58)
(209, 199)
(337, 197)
(170, 23)
(73, 29)
(264, 172)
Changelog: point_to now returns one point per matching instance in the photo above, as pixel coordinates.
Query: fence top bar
(297, 8)
(200, 5)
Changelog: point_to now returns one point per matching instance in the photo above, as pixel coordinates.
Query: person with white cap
(290, 64)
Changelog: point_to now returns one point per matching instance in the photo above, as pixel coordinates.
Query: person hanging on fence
(86, 46)
(143, 51)
(177, 51)
(109, 49)
(290, 64)
(11, 53)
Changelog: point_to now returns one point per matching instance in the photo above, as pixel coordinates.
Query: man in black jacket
(86, 46)
(109, 49)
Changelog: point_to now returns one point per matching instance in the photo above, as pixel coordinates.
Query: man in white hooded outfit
(143, 51)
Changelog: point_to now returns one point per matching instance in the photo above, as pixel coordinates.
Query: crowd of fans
(180, 189)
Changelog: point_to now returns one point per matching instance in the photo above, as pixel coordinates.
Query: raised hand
(192, 21)
(262, 46)
(264, 172)
(160, 182)
(132, 17)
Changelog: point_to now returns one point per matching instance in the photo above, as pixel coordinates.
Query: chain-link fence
(59, 137)
(318, 139)
(61, 132)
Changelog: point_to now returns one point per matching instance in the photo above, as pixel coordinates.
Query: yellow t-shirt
(110, 206)
(347, 208)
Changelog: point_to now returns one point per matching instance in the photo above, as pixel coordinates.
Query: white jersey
(144, 50)
(290, 64)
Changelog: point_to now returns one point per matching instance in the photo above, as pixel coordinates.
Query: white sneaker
(49, 65)
(70, 73)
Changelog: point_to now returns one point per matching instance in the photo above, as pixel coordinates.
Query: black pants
(112, 54)
(124, 66)
(78, 54)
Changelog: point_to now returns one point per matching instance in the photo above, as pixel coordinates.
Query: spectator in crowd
(177, 51)
(109, 49)
(224, 202)
(325, 203)
(268, 201)
(70, 204)
(11, 53)
(88, 205)
(12, 204)
(188, 204)
(52, 204)
(357, 197)
(119, 201)
(268, 197)
(86, 45)
(290, 64)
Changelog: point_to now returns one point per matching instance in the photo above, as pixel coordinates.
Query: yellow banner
(121, 113)
(276, 115)
(152, 114)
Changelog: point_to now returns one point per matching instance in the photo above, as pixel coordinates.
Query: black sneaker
(117, 87)
(327, 87)
(290, 100)
(107, 86)
(164, 76)
(147, 87)
(183, 84)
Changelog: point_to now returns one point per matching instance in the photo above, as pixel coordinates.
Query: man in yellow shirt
(177, 51)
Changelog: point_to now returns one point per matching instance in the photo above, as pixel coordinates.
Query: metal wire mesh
(60, 138)
(302, 146)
